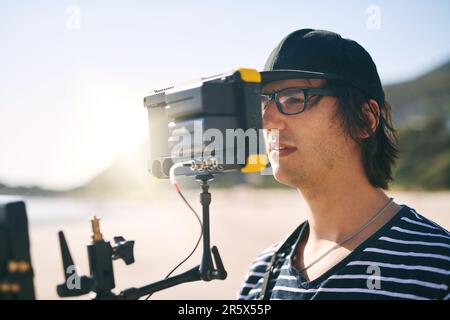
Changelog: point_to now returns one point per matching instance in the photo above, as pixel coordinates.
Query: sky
(73, 73)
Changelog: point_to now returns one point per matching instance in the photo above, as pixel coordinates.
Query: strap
(289, 241)
(264, 292)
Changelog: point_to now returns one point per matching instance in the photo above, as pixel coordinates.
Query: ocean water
(51, 210)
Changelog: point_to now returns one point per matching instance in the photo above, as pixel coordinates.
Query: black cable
(196, 245)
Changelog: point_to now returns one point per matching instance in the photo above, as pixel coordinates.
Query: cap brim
(275, 75)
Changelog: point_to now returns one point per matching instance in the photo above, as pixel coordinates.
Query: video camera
(216, 118)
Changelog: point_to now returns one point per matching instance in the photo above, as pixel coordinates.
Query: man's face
(314, 139)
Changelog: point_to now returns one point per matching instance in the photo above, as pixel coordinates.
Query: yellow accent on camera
(255, 163)
(250, 75)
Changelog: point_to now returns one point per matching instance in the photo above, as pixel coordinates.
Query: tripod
(101, 254)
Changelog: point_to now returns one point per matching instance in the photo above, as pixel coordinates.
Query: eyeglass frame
(306, 91)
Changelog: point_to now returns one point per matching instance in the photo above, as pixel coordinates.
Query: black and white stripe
(410, 253)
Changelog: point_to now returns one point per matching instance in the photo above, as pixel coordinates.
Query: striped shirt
(407, 258)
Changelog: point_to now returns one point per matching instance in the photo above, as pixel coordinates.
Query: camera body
(16, 273)
(216, 117)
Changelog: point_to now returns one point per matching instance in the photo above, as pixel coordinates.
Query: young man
(330, 136)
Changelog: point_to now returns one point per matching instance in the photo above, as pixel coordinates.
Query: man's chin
(284, 178)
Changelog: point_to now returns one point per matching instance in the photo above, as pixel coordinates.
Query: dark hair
(379, 150)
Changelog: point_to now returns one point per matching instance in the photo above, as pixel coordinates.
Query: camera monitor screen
(216, 117)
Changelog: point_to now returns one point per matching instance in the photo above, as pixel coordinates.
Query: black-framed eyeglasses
(293, 100)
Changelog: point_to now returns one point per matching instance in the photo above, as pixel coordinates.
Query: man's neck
(340, 206)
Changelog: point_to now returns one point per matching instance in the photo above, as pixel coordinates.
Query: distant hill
(424, 155)
(34, 191)
(425, 97)
(421, 113)
(126, 176)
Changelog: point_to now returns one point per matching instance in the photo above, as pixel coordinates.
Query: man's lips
(281, 149)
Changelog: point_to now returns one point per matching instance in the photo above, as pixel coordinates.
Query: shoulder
(415, 249)
(411, 225)
(418, 238)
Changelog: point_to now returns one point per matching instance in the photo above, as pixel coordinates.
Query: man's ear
(371, 111)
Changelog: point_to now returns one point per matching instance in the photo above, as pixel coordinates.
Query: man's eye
(293, 101)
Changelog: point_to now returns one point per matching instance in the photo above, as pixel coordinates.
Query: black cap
(309, 53)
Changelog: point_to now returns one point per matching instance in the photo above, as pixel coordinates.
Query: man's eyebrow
(308, 86)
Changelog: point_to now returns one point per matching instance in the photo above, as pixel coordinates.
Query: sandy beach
(243, 222)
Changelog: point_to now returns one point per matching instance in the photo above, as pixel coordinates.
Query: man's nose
(273, 118)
